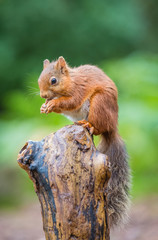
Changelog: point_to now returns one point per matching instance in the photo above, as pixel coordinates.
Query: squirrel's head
(54, 80)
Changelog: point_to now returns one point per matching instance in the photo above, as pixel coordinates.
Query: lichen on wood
(70, 178)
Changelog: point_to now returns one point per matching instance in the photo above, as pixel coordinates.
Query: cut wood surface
(70, 178)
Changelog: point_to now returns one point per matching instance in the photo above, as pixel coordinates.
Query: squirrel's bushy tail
(119, 183)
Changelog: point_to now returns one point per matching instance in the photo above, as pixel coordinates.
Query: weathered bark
(70, 178)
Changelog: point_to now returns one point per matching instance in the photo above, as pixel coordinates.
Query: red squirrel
(87, 95)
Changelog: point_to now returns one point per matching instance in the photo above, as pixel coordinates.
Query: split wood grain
(70, 178)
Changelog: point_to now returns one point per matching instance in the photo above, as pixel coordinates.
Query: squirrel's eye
(53, 81)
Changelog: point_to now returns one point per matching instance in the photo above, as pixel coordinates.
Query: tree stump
(70, 178)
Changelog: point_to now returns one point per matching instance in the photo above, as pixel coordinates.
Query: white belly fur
(79, 114)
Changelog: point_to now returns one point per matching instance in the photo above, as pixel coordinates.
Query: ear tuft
(46, 62)
(61, 61)
(61, 65)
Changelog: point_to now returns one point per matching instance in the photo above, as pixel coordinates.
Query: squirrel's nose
(43, 95)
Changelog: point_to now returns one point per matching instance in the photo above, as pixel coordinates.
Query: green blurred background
(121, 37)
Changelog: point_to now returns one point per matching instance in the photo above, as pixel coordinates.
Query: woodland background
(121, 37)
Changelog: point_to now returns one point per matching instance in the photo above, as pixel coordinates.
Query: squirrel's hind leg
(86, 125)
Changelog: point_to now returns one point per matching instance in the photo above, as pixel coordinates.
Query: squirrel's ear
(61, 65)
(46, 62)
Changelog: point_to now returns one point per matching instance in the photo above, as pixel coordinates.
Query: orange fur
(87, 95)
(75, 86)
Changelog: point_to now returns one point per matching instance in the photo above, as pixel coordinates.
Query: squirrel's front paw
(43, 108)
(49, 106)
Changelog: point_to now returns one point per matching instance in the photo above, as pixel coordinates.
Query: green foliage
(121, 36)
(82, 31)
(136, 77)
